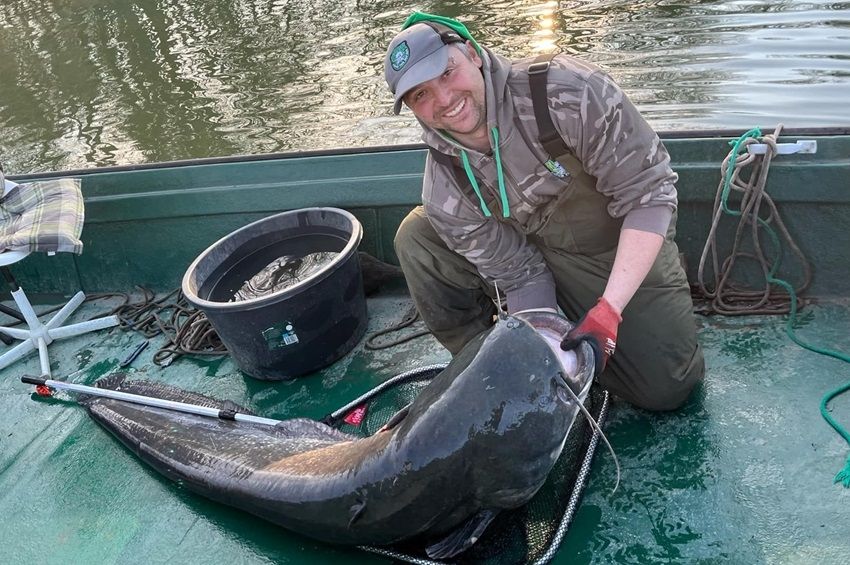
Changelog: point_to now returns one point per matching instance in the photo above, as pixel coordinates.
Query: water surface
(87, 83)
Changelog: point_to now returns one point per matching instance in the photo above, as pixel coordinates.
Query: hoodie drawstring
(503, 194)
(506, 207)
(474, 184)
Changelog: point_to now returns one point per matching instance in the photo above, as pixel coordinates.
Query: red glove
(599, 329)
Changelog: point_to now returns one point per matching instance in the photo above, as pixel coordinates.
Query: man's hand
(599, 329)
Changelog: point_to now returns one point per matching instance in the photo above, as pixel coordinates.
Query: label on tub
(280, 335)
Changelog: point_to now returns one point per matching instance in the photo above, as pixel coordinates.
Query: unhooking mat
(529, 534)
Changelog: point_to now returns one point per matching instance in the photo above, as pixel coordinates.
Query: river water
(87, 83)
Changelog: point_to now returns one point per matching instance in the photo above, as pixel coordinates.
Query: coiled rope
(186, 329)
(377, 340)
(727, 298)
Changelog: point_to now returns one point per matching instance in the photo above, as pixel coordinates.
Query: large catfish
(479, 438)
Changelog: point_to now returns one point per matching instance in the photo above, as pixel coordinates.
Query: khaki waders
(658, 360)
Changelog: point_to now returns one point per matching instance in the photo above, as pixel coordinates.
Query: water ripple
(120, 83)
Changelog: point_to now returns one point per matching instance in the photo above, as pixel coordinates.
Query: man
(590, 230)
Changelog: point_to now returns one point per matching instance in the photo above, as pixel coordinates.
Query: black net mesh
(530, 534)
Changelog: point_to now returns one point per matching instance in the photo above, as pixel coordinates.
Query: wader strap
(447, 161)
(538, 75)
(550, 139)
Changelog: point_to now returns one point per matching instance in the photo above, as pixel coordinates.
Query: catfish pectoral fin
(463, 538)
(356, 511)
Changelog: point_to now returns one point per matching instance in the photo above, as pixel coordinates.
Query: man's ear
(472, 53)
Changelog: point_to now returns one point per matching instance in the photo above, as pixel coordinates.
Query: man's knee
(412, 232)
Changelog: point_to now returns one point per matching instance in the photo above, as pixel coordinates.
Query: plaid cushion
(42, 216)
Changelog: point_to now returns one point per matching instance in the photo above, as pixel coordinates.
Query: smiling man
(544, 180)
(453, 101)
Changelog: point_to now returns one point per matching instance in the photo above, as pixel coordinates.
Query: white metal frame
(39, 335)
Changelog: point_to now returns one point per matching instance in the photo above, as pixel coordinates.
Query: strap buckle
(449, 37)
(538, 67)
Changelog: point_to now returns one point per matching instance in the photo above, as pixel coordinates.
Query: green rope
(727, 183)
(842, 476)
(465, 160)
(503, 194)
(755, 133)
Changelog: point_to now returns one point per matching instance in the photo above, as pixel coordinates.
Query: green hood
(418, 17)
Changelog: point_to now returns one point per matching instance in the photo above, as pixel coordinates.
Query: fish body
(480, 437)
(282, 273)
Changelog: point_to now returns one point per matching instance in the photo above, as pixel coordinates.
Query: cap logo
(400, 56)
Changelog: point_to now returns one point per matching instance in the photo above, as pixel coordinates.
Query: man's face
(454, 101)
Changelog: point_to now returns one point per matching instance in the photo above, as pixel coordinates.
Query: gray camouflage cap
(416, 55)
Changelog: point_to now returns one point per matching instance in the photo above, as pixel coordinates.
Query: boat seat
(44, 216)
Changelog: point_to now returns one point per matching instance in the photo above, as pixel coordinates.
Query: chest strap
(550, 139)
(548, 135)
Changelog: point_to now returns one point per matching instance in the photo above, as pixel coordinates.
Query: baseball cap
(416, 55)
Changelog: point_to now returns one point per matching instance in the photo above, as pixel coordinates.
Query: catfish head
(536, 389)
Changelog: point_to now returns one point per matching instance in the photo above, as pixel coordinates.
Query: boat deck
(742, 474)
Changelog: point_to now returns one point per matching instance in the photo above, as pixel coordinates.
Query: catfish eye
(561, 387)
(563, 395)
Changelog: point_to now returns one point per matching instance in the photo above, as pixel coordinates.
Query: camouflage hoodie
(608, 136)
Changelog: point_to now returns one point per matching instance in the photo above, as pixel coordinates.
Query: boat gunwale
(664, 135)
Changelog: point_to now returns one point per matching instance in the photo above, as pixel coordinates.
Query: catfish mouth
(576, 365)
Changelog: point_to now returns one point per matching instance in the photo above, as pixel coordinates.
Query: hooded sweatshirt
(613, 143)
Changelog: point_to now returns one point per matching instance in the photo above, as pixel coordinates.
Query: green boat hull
(742, 474)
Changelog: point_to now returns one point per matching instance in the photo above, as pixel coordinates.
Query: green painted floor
(742, 474)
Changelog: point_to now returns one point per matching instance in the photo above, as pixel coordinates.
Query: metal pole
(151, 401)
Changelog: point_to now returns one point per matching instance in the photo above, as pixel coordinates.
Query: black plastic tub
(297, 330)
